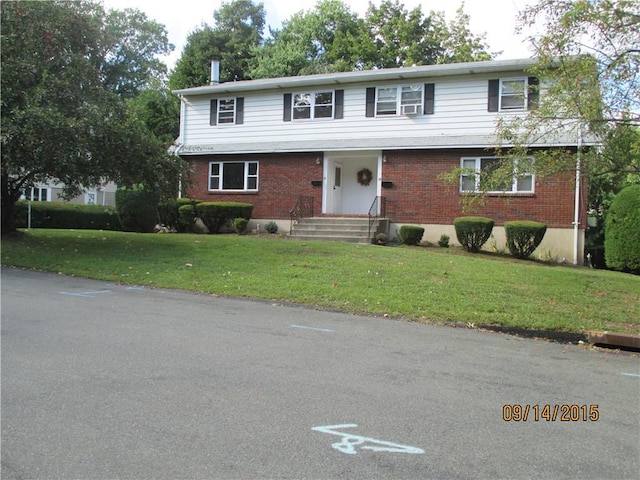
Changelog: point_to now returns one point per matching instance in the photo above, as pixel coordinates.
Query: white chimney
(215, 71)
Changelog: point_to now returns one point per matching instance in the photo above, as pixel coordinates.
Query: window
(226, 111)
(488, 174)
(237, 176)
(513, 94)
(312, 105)
(90, 198)
(406, 100)
(37, 194)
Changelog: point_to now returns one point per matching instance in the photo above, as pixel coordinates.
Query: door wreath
(364, 177)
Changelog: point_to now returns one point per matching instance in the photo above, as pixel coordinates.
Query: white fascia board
(344, 78)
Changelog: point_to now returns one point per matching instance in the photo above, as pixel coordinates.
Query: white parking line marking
(350, 441)
(85, 294)
(313, 328)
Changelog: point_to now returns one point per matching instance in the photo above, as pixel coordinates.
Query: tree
(622, 229)
(405, 38)
(62, 116)
(329, 38)
(129, 52)
(588, 60)
(237, 32)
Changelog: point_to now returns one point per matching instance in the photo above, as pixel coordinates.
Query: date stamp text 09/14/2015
(550, 413)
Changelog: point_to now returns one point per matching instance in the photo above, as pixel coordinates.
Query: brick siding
(417, 195)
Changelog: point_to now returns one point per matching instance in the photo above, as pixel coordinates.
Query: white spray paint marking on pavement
(350, 441)
(85, 294)
(626, 374)
(313, 328)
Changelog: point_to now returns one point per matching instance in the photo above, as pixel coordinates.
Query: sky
(496, 18)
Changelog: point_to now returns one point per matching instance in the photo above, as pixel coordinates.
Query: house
(52, 192)
(375, 141)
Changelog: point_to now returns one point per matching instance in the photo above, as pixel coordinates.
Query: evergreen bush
(473, 232)
(137, 208)
(444, 241)
(217, 214)
(240, 224)
(622, 231)
(523, 237)
(271, 227)
(410, 234)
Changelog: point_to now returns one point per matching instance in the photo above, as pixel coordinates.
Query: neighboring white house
(349, 141)
(51, 192)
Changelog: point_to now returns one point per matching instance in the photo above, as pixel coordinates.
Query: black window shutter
(339, 102)
(286, 115)
(534, 93)
(494, 93)
(429, 97)
(371, 102)
(239, 110)
(213, 112)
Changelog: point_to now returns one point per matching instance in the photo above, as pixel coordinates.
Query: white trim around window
(233, 176)
(313, 105)
(399, 100)
(513, 94)
(471, 177)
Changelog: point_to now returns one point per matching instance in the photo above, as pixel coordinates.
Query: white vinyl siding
(461, 116)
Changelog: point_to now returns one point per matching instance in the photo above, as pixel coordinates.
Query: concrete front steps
(338, 229)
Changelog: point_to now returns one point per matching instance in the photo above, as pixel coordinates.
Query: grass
(430, 285)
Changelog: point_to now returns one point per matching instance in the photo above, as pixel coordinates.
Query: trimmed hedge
(67, 215)
(217, 214)
(622, 231)
(473, 232)
(523, 237)
(411, 234)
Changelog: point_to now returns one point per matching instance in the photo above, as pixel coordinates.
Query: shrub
(186, 217)
(271, 227)
(410, 234)
(169, 212)
(473, 232)
(444, 241)
(217, 214)
(622, 231)
(240, 224)
(67, 215)
(137, 208)
(523, 237)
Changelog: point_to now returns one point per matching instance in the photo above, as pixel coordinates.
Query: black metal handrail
(302, 209)
(376, 211)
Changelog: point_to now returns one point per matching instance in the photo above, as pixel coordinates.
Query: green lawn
(430, 285)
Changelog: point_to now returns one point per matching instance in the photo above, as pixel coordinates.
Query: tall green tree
(63, 116)
(328, 38)
(237, 31)
(589, 59)
(405, 38)
(129, 50)
(331, 38)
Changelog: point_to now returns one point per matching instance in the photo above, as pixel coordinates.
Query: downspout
(576, 213)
